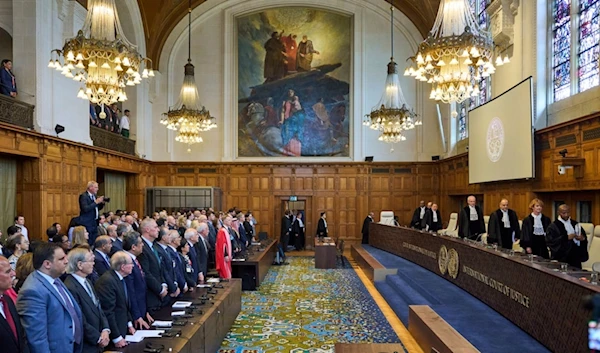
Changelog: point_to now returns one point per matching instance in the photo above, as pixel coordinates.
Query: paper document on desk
(213, 280)
(135, 338)
(159, 323)
(178, 313)
(150, 333)
(181, 305)
(237, 260)
(204, 286)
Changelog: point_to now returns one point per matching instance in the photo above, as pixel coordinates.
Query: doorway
(302, 204)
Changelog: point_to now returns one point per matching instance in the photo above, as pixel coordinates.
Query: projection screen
(501, 137)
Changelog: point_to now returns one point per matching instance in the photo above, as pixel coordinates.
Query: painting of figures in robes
(294, 69)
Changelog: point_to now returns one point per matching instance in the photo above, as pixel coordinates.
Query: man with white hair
(191, 236)
(470, 220)
(202, 249)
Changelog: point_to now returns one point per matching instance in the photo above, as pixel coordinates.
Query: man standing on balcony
(125, 120)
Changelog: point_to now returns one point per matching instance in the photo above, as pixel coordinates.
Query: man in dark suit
(503, 226)
(191, 236)
(202, 249)
(49, 313)
(12, 334)
(178, 265)
(136, 283)
(155, 283)
(115, 298)
(322, 226)
(432, 222)
(365, 228)
(102, 247)
(470, 220)
(95, 325)
(117, 244)
(167, 263)
(286, 230)
(89, 208)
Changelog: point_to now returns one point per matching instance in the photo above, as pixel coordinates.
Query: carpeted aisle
(300, 309)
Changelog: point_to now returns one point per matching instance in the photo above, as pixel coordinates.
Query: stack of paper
(213, 280)
(159, 323)
(139, 335)
(204, 286)
(178, 313)
(181, 305)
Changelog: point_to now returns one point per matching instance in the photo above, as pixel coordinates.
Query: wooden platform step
(434, 334)
(372, 268)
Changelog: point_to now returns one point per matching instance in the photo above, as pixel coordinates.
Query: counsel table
(325, 253)
(256, 265)
(543, 302)
(203, 333)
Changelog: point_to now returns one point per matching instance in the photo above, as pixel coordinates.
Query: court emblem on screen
(495, 140)
(443, 259)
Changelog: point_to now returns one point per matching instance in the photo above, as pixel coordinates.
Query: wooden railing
(112, 141)
(15, 112)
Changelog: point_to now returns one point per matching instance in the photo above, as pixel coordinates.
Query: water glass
(530, 256)
(594, 278)
(495, 247)
(511, 253)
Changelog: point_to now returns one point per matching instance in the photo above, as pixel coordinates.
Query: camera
(106, 199)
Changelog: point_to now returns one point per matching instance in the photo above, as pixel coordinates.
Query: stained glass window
(589, 34)
(561, 49)
(462, 122)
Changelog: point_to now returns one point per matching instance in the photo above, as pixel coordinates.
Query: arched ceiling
(161, 16)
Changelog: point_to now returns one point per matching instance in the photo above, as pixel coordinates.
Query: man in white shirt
(20, 222)
(124, 123)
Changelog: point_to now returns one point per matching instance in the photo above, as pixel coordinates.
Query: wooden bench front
(372, 268)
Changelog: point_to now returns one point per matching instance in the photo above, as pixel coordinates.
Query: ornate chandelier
(101, 57)
(391, 115)
(456, 54)
(189, 116)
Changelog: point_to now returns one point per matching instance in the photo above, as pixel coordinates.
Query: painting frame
(233, 131)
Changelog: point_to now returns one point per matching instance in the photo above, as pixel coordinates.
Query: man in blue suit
(136, 282)
(89, 210)
(191, 236)
(102, 247)
(50, 315)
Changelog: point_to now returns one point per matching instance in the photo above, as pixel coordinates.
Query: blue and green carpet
(300, 309)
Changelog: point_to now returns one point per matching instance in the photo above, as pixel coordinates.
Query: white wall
(213, 48)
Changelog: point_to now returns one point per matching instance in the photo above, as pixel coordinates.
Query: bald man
(566, 239)
(503, 227)
(470, 219)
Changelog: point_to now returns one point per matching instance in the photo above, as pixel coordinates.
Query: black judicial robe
(428, 222)
(365, 230)
(416, 221)
(498, 234)
(537, 243)
(466, 227)
(564, 250)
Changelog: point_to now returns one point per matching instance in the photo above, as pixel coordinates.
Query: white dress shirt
(24, 231)
(124, 123)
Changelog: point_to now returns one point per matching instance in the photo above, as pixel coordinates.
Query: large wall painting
(294, 69)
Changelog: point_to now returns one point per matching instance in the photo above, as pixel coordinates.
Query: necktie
(71, 310)
(137, 263)
(204, 243)
(9, 318)
(155, 253)
(91, 293)
(126, 293)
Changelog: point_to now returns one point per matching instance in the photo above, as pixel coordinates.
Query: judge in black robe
(467, 227)
(500, 232)
(533, 239)
(433, 219)
(298, 232)
(322, 226)
(418, 215)
(365, 228)
(570, 245)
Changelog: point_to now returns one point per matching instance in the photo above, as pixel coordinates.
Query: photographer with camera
(89, 207)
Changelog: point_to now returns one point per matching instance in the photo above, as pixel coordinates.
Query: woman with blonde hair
(533, 231)
(80, 237)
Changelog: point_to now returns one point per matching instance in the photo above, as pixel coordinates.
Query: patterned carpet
(300, 309)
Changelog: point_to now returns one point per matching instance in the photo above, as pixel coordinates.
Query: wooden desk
(325, 255)
(204, 332)
(544, 303)
(368, 348)
(253, 270)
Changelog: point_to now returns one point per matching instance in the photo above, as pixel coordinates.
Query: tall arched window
(575, 35)
(478, 8)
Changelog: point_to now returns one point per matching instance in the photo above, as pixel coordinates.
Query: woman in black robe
(298, 231)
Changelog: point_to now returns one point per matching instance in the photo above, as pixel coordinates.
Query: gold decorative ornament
(443, 259)
(453, 264)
